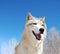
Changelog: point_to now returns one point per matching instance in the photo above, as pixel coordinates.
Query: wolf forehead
(31, 19)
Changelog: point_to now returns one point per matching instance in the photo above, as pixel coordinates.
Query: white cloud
(9, 48)
(53, 32)
(52, 43)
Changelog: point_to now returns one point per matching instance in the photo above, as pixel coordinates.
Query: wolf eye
(34, 23)
(42, 24)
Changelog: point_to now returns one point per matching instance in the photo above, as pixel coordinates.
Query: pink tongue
(38, 36)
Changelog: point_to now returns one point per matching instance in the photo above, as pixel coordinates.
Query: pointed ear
(29, 16)
(42, 18)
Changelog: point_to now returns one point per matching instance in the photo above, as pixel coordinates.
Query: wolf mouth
(38, 36)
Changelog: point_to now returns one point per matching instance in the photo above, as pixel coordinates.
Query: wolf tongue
(38, 36)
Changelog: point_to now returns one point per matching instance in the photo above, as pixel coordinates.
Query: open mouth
(38, 36)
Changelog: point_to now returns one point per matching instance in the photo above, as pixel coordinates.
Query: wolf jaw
(38, 36)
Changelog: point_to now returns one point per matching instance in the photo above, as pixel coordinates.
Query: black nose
(41, 30)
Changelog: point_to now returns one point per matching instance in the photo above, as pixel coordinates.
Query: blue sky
(13, 14)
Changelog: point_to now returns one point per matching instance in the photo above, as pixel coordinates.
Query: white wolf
(33, 36)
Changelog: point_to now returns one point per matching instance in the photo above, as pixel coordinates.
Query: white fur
(29, 44)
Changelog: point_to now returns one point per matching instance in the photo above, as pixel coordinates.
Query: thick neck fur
(30, 46)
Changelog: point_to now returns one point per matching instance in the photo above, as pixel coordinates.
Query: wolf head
(35, 27)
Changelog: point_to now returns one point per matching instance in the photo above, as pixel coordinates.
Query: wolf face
(35, 27)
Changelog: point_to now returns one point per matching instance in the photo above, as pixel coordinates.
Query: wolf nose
(41, 30)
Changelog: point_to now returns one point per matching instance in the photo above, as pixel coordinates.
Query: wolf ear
(29, 16)
(42, 18)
